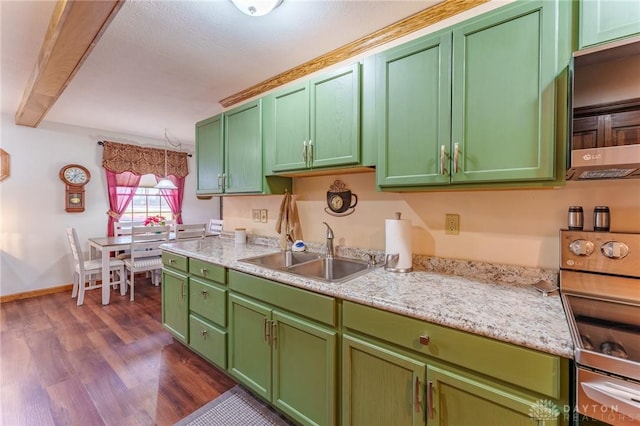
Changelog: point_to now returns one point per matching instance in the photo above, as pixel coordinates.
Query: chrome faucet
(329, 241)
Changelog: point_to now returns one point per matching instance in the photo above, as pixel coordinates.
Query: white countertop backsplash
(495, 301)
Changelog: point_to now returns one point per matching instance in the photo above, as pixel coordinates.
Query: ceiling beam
(415, 22)
(74, 29)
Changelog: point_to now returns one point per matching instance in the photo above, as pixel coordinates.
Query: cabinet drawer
(209, 271)
(311, 305)
(524, 367)
(174, 261)
(208, 300)
(208, 341)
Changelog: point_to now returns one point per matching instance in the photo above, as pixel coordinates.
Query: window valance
(120, 157)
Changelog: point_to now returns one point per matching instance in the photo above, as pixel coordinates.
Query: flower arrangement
(155, 220)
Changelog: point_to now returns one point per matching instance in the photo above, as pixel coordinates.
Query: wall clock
(75, 177)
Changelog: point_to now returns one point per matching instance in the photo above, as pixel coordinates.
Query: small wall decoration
(5, 166)
(340, 201)
(75, 178)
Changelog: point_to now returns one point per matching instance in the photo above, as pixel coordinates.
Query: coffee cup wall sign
(340, 201)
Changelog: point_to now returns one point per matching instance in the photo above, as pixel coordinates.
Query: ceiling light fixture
(256, 7)
(165, 182)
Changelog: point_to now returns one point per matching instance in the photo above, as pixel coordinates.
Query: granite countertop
(511, 313)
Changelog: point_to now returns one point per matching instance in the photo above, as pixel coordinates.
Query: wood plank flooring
(63, 364)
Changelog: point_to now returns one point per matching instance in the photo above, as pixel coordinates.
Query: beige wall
(517, 227)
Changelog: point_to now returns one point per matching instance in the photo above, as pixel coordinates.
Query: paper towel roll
(398, 241)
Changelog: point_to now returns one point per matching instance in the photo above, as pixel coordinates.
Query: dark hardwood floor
(63, 364)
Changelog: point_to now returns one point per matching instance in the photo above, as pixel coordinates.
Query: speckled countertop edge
(514, 313)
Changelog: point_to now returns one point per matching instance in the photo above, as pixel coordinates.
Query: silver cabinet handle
(224, 181)
(416, 395)
(203, 271)
(310, 152)
(442, 158)
(274, 327)
(456, 154)
(182, 287)
(430, 399)
(265, 329)
(304, 152)
(219, 180)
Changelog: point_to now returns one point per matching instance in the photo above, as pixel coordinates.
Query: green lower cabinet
(287, 360)
(175, 314)
(380, 387)
(208, 340)
(459, 398)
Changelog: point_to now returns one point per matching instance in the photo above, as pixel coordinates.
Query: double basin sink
(312, 265)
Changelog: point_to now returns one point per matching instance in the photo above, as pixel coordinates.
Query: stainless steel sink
(281, 260)
(311, 265)
(333, 270)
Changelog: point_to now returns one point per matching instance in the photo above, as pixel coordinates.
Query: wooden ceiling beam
(420, 20)
(74, 29)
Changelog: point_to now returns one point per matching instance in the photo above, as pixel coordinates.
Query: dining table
(108, 245)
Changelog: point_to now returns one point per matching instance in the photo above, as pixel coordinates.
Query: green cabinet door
(209, 155)
(503, 95)
(304, 370)
(335, 118)
(413, 97)
(381, 387)
(456, 398)
(175, 314)
(249, 356)
(606, 20)
(288, 116)
(243, 148)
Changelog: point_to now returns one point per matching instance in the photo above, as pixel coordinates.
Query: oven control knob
(614, 249)
(581, 247)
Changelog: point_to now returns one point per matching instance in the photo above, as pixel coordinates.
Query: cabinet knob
(203, 333)
(172, 261)
(204, 293)
(425, 340)
(203, 271)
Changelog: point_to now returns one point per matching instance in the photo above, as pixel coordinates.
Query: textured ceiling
(166, 64)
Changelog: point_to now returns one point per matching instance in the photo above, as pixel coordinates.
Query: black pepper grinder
(601, 218)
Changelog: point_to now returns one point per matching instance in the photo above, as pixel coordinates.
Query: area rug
(235, 407)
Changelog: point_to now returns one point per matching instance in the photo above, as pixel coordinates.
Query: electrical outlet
(255, 214)
(452, 224)
(264, 216)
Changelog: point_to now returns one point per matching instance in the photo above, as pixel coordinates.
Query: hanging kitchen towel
(288, 222)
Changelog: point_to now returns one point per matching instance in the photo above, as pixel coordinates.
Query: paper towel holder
(391, 259)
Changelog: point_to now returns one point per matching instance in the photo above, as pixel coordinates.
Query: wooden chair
(190, 231)
(145, 255)
(124, 228)
(86, 271)
(215, 227)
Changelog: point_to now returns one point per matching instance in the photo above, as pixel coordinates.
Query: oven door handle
(625, 399)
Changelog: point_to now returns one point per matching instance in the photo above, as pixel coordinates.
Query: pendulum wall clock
(75, 177)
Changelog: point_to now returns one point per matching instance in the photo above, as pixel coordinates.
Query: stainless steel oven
(600, 289)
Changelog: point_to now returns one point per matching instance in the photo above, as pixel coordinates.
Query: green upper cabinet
(463, 106)
(413, 102)
(503, 96)
(315, 124)
(209, 155)
(229, 151)
(606, 20)
(243, 148)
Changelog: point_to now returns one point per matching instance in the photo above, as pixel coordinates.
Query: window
(146, 202)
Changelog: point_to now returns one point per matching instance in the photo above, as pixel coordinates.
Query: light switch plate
(255, 214)
(264, 216)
